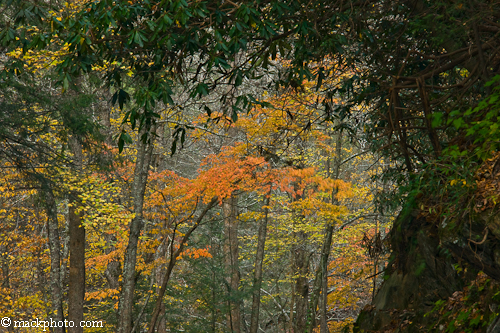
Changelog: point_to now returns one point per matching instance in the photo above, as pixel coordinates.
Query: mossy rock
(420, 274)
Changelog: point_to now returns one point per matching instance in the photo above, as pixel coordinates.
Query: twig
(481, 242)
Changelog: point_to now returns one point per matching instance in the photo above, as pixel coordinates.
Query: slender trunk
(300, 271)
(324, 279)
(76, 283)
(292, 308)
(5, 276)
(375, 264)
(126, 302)
(320, 289)
(112, 274)
(160, 272)
(214, 251)
(5, 267)
(113, 269)
(65, 251)
(214, 318)
(173, 259)
(320, 286)
(328, 242)
(55, 256)
(259, 258)
(162, 322)
(301, 265)
(231, 262)
(42, 283)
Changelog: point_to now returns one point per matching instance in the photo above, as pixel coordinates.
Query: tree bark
(55, 256)
(231, 262)
(76, 283)
(323, 324)
(301, 268)
(259, 258)
(320, 285)
(126, 302)
(5, 276)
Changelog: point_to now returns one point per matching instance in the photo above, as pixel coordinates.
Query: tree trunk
(161, 252)
(65, 250)
(323, 324)
(301, 268)
(231, 262)
(76, 283)
(55, 256)
(5, 276)
(125, 306)
(259, 258)
(173, 259)
(320, 287)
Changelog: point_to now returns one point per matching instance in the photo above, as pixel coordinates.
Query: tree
(422, 99)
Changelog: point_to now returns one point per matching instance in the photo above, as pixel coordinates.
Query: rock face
(420, 273)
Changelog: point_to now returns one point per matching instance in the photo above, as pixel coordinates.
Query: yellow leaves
(102, 294)
(461, 182)
(250, 216)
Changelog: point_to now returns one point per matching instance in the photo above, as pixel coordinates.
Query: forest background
(213, 166)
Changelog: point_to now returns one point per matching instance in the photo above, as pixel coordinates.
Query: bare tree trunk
(320, 287)
(76, 283)
(160, 272)
(327, 246)
(292, 308)
(162, 322)
(65, 251)
(323, 324)
(301, 268)
(126, 302)
(173, 259)
(231, 262)
(5, 276)
(5, 266)
(259, 258)
(55, 256)
(112, 274)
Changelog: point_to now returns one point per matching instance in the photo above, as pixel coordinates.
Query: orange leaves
(219, 176)
(195, 253)
(102, 294)
(488, 185)
(311, 184)
(226, 173)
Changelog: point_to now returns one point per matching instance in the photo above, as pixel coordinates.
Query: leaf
(123, 138)
(121, 96)
(492, 81)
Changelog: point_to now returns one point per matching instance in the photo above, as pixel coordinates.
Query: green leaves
(200, 90)
(481, 123)
(179, 134)
(121, 96)
(137, 37)
(123, 138)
